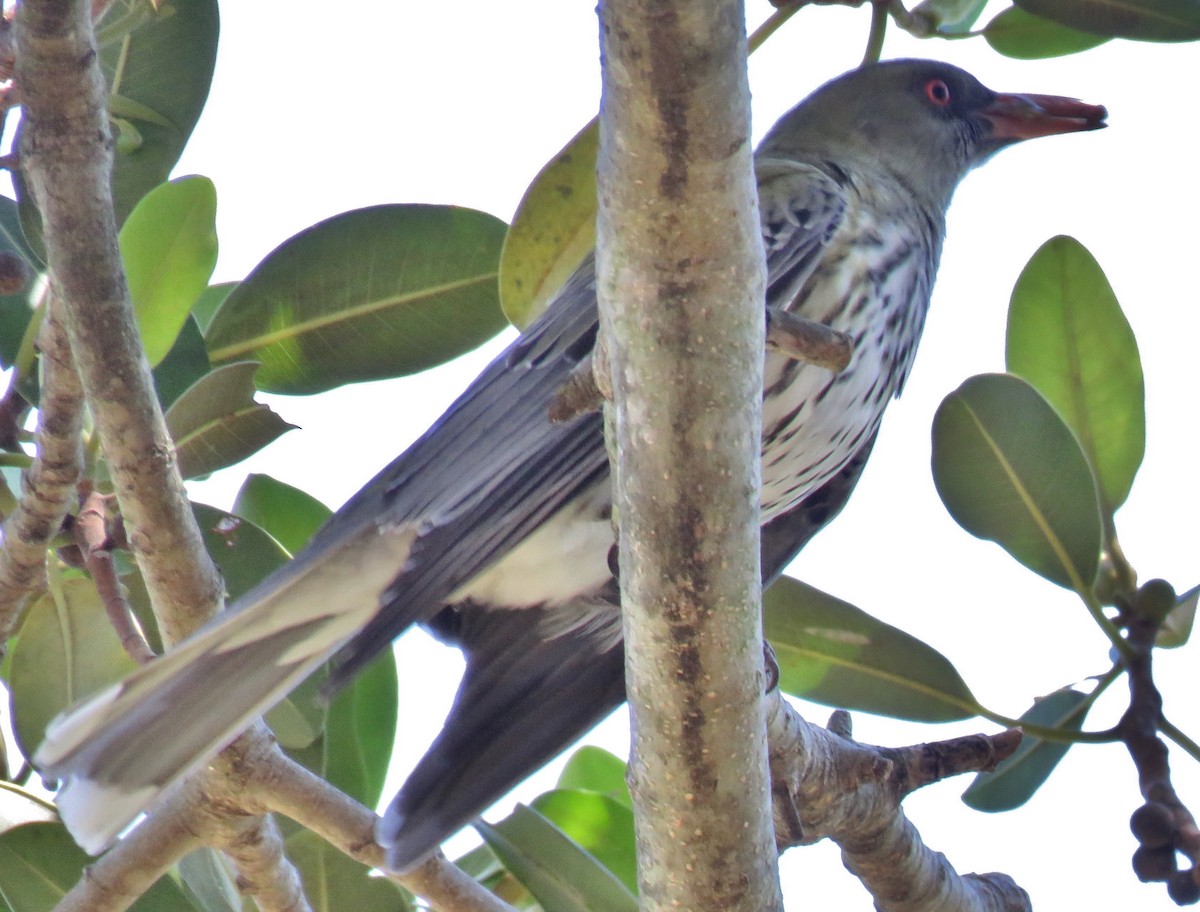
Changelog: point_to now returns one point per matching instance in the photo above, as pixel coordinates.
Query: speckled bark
(681, 279)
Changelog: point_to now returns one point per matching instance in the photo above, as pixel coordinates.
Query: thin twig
(290, 789)
(826, 786)
(1164, 826)
(115, 880)
(91, 535)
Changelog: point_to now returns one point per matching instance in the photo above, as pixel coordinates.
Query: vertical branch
(681, 279)
(49, 485)
(66, 154)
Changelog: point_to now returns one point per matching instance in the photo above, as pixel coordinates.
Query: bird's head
(925, 122)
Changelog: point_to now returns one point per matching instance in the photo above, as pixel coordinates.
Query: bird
(494, 529)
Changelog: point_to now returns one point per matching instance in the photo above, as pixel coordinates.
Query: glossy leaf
(19, 268)
(40, 862)
(1024, 36)
(185, 364)
(334, 882)
(8, 500)
(553, 230)
(209, 880)
(1009, 470)
(243, 552)
(833, 653)
(210, 302)
(482, 865)
(169, 249)
(1068, 337)
(216, 423)
(158, 60)
(295, 725)
(593, 769)
(374, 293)
(1177, 628)
(598, 825)
(287, 513)
(65, 650)
(1148, 20)
(559, 874)
(355, 730)
(1015, 780)
(360, 731)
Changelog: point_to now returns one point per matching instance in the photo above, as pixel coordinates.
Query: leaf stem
(772, 24)
(1180, 738)
(879, 22)
(1060, 735)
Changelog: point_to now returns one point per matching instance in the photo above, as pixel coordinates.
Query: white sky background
(320, 108)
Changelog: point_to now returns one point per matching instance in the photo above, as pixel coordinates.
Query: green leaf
(1068, 337)
(593, 769)
(374, 293)
(289, 514)
(185, 364)
(833, 653)
(360, 731)
(560, 875)
(209, 881)
(169, 248)
(1177, 628)
(553, 230)
(950, 17)
(159, 65)
(127, 108)
(1014, 781)
(334, 882)
(157, 59)
(1147, 20)
(294, 727)
(66, 650)
(1009, 470)
(598, 825)
(1024, 36)
(357, 729)
(210, 302)
(127, 137)
(243, 552)
(19, 807)
(40, 862)
(216, 422)
(19, 267)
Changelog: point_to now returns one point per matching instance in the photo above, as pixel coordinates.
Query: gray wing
(488, 472)
(538, 680)
(540, 465)
(802, 206)
(486, 475)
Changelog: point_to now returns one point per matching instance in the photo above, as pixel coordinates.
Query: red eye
(938, 92)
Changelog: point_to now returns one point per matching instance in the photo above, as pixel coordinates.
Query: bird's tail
(537, 679)
(117, 752)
